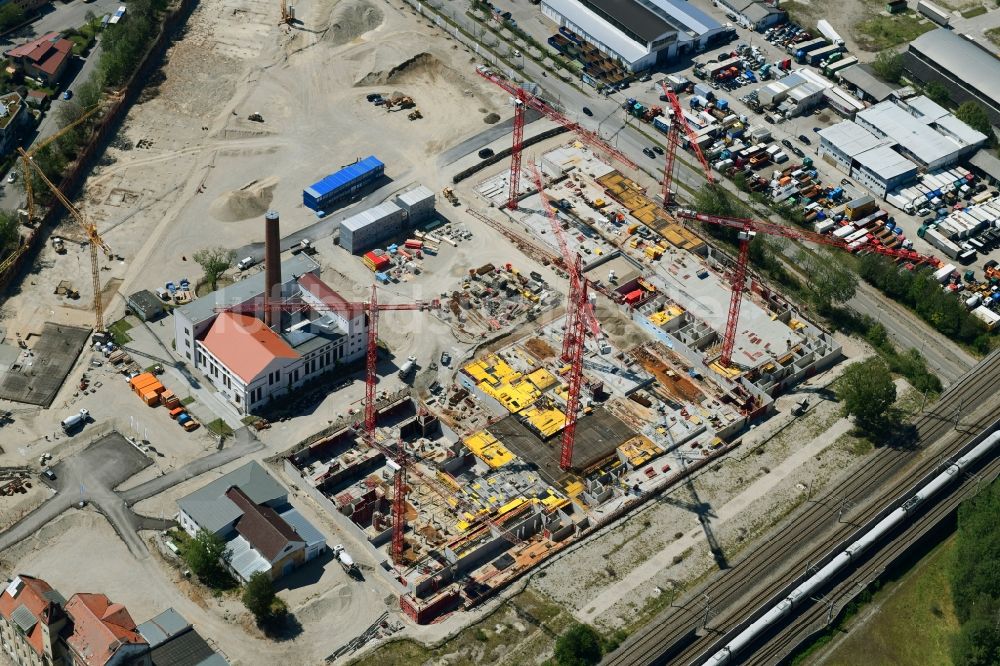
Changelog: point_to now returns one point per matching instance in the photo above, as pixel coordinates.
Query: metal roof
(346, 175)
(986, 162)
(417, 195)
(305, 529)
(927, 110)
(244, 558)
(885, 162)
(642, 22)
(966, 62)
(599, 30)
(925, 143)
(246, 289)
(850, 138)
(186, 649)
(212, 510)
(685, 16)
(373, 215)
(162, 627)
(958, 130)
(860, 77)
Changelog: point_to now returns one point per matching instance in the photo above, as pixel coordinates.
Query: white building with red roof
(250, 363)
(103, 633)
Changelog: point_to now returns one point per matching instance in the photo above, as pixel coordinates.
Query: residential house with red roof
(44, 58)
(249, 510)
(31, 619)
(103, 633)
(250, 363)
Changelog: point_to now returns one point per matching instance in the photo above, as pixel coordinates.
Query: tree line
(921, 292)
(974, 576)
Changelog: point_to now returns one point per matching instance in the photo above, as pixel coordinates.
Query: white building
(639, 33)
(922, 131)
(839, 144)
(250, 364)
(883, 170)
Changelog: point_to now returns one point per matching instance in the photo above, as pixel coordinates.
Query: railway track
(680, 634)
(816, 616)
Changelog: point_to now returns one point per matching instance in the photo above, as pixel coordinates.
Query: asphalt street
(93, 474)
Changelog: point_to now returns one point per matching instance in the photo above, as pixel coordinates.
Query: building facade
(13, 118)
(31, 621)
(640, 34)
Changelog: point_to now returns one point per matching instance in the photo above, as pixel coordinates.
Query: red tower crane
(524, 100)
(578, 316)
(673, 143)
(395, 459)
(748, 228)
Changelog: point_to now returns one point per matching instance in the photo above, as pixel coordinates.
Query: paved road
(93, 474)
(244, 444)
(945, 358)
(57, 17)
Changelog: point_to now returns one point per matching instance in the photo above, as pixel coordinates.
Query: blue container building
(344, 184)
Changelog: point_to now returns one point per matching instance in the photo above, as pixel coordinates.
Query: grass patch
(118, 332)
(188, 400)
(219, 427)
(993, 34)
(483, 643)
(973, 12)
(922, 599)
(882, 32)
(247, 420)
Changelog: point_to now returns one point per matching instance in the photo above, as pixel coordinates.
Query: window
(237, 396)
(187, 331)
(187, 342)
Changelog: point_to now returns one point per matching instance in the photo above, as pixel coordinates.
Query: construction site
(551, 346)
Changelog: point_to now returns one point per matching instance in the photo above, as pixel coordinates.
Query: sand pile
(350, 20)
(422, 68)
(251, 200)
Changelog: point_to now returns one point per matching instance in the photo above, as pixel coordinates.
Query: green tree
(9, 232)
(88, 93)
(974, 115)
(214, 261)
(938, 93)
(10, 15)
(829, 281)
(975, 569)
(867, 393)
(580, 645)
(205, 555)
(888, 65)
(978, 640)
(258, 595)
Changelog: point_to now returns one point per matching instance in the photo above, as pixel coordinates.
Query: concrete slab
(40, 372)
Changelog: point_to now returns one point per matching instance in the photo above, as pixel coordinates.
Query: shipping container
(933, 12)
(818, 55)
(947, 247)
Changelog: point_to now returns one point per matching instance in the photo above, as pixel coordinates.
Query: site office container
(343, 184)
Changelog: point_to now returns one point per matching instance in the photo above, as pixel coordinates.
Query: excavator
(403, 102)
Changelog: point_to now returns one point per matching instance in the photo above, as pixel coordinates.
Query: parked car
(587, 111)
(804, 139)
(445, 358)
(786, 143)
(67, 94)
(649, 153)
(798, 152)
(658, 150)
(486, 153)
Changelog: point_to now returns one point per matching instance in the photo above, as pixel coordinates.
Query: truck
(933, 12)
(72, 423)
(303, 246)
(345, 559)
(408, 367)
(946, 246)
(827, 31)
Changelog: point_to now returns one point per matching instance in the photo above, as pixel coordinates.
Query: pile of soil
(422, 67)
(249, 201)
(350, 20)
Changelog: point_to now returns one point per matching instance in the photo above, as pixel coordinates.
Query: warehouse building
(967, 70)
(343, 185)
(639, 33)
(366, 229)
(883, 170)
(841, 143)
(754, 14)
(865, 85)
(931, 139)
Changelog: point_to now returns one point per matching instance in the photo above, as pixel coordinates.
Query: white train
(818, 580)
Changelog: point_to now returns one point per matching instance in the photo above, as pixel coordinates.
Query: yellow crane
(26, 158)
(92, 237)
(26, 175)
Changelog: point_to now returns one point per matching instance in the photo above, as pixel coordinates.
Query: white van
(245, 263)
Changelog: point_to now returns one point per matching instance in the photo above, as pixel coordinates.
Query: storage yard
(457, 378)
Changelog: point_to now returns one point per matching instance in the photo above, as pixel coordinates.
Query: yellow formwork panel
(511, 505)
(542, 379)
(639, 450)
(547, 421)
(729, 373)
(573, 489)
